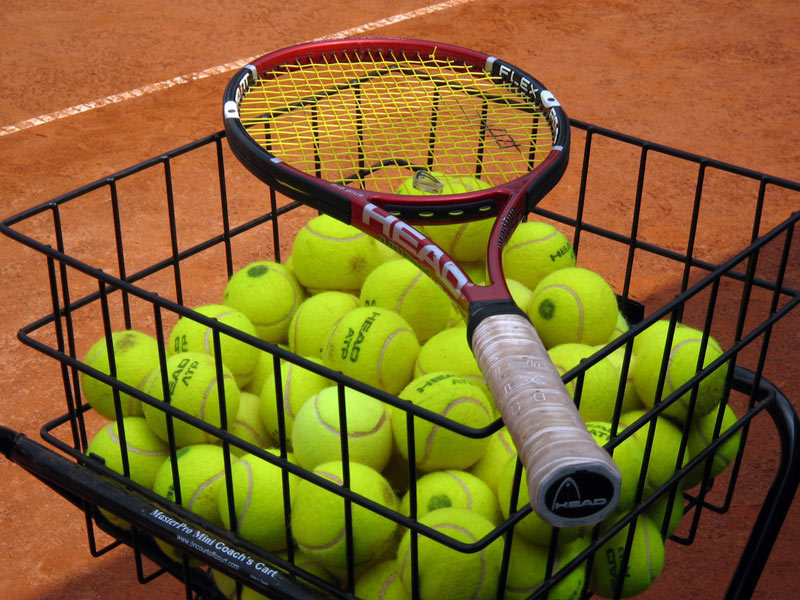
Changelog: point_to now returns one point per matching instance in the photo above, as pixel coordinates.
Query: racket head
(343, 122)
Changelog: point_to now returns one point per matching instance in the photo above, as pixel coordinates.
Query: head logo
(568, 498)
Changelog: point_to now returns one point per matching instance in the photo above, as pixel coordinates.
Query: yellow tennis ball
(462, 241)
(193, 388)
(446, 573)
(145, 451)
(330, 255)
(527, 567)
(630, 400)
(401, 286)
(657, 330)
(598, 394)
(201, 474)
(381, 581)
(453, 488)
(374, 345)
(257, 487)
(535, 250)
(248, 424)
(240, 357)
(263, 369)
(621, 327)
(657, 513)
(317, 431)
(318, 517)
(682, 362)
(520, 293)
(532, 527)
(573, 304)
(644, 565)
(313, 321)
(436, 447)
(449, 351)
(135, 357)
(268, 293)
(499, 451)
(627, 455)
(664, 450)
(297, 385)
(701, 435)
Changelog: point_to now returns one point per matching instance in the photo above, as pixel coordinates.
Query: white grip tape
(571, 480)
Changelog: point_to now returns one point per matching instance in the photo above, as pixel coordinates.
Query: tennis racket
(345, 125)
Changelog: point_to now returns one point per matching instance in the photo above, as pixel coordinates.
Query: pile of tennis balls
(344, 301)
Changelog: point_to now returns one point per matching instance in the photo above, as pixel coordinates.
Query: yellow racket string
(371, 120)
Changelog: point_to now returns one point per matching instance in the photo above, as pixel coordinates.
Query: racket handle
(571, 480)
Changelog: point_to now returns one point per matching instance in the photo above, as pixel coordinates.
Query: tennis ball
(621, 327)
(381, 582)
(520, 293)
(449, 351)
(313, 321)
(461, 241)
(630, 400)
(532, 527)
(573, 305)
(452, 396)
(401, 286)
(318, 517)
(374, 345)
(268, 293)
(465, 242)
(644, 565)
(146, 451)
(330, 255)
(664, 450)
(135, 357)
(248, 424)
(257, 487)
(193, 388)
(296, 387)
(527, 568)
(201, 473)
(657, 330)
(433, 183)
(240, 357)
(446, 573)
(317, 437)
(627, 455)
(535, 250)
(701, 435)
(657, 513)
(459, 489)
(598, 395)
(499, 451)
(264, 368)
(681, 367)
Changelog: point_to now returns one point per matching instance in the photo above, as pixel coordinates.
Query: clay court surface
(719, 78)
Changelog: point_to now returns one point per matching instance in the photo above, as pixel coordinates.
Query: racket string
(372, 120)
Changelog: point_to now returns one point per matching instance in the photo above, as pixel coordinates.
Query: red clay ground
(721, 79)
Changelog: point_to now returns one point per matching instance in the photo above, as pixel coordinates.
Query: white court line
(232, 66)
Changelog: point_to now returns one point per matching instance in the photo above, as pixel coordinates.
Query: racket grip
(571, 480)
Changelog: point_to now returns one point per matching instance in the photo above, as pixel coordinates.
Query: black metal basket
(201, 217)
